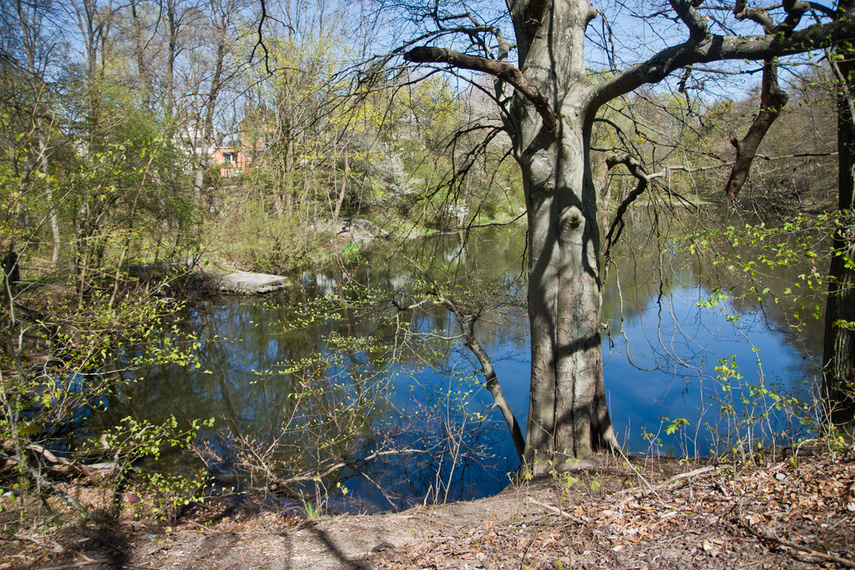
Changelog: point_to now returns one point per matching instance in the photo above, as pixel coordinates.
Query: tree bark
(208, 134)
(772, 100)
(839, 345)
(567, 408)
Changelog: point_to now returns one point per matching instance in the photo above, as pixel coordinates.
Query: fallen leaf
(711, 548)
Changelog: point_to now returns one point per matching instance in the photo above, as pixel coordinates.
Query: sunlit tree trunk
(567, 407)
(52, 206)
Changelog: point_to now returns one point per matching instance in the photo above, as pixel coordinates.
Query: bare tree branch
(722, 48)
(498, 69)
(697, 24)
(467, 320)
(772, 98)
(643, 181)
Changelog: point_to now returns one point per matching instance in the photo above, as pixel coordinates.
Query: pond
(334, 369)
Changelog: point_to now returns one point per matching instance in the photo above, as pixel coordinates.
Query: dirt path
(796, 513)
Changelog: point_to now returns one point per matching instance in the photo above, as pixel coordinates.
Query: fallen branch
(809, 551)
(65, 466)
(43, 481)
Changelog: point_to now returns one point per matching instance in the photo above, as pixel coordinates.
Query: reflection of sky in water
(682, 343)
(666, 368)
(694, 340)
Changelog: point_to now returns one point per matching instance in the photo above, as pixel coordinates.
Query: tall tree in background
(31, 50)
(839, 346)
(549, 119)
(224, 19)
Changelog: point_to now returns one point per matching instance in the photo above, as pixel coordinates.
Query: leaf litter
(649, 513)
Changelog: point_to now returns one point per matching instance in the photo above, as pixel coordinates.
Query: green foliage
(350, 251)
(767, 251)
(134, 440)
(755, 416)
(675, 425)
(76, 362)
(251, 238)
(161, 496)
(564, 478)
(153, 493)
(310, 510)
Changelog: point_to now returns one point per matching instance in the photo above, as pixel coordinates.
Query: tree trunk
(839, 346)
(209, 135)
(567, 406)
(52, 207)
(171, 56)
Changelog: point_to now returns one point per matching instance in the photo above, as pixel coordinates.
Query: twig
(85, 562)
(634, 470)
(809, 551)
(637, 494)
(696, 472)
(555, 510)
(89, 562)
(21, 536)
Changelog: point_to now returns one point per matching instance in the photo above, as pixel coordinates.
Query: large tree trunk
(567, 406)
(839, 346)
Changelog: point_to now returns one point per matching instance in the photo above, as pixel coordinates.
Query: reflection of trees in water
(294, 399)
(679, 314)
(458, 451)
(651, 266)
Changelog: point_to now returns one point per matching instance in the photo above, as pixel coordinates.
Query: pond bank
(793, 513)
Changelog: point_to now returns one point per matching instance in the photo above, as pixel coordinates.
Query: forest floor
(798, 512)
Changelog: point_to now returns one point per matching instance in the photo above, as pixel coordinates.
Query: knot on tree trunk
(571, 222)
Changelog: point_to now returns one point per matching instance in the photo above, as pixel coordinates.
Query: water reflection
(322, 377)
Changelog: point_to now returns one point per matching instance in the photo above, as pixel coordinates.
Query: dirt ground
(798, 512)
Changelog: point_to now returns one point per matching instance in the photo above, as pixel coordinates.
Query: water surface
(320, 373)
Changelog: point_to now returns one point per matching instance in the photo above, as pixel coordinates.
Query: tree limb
(772, 100)
(722, 48)
(467, 320)
(795, 9)
(696, 23)
(643, 181)
(498, 69)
